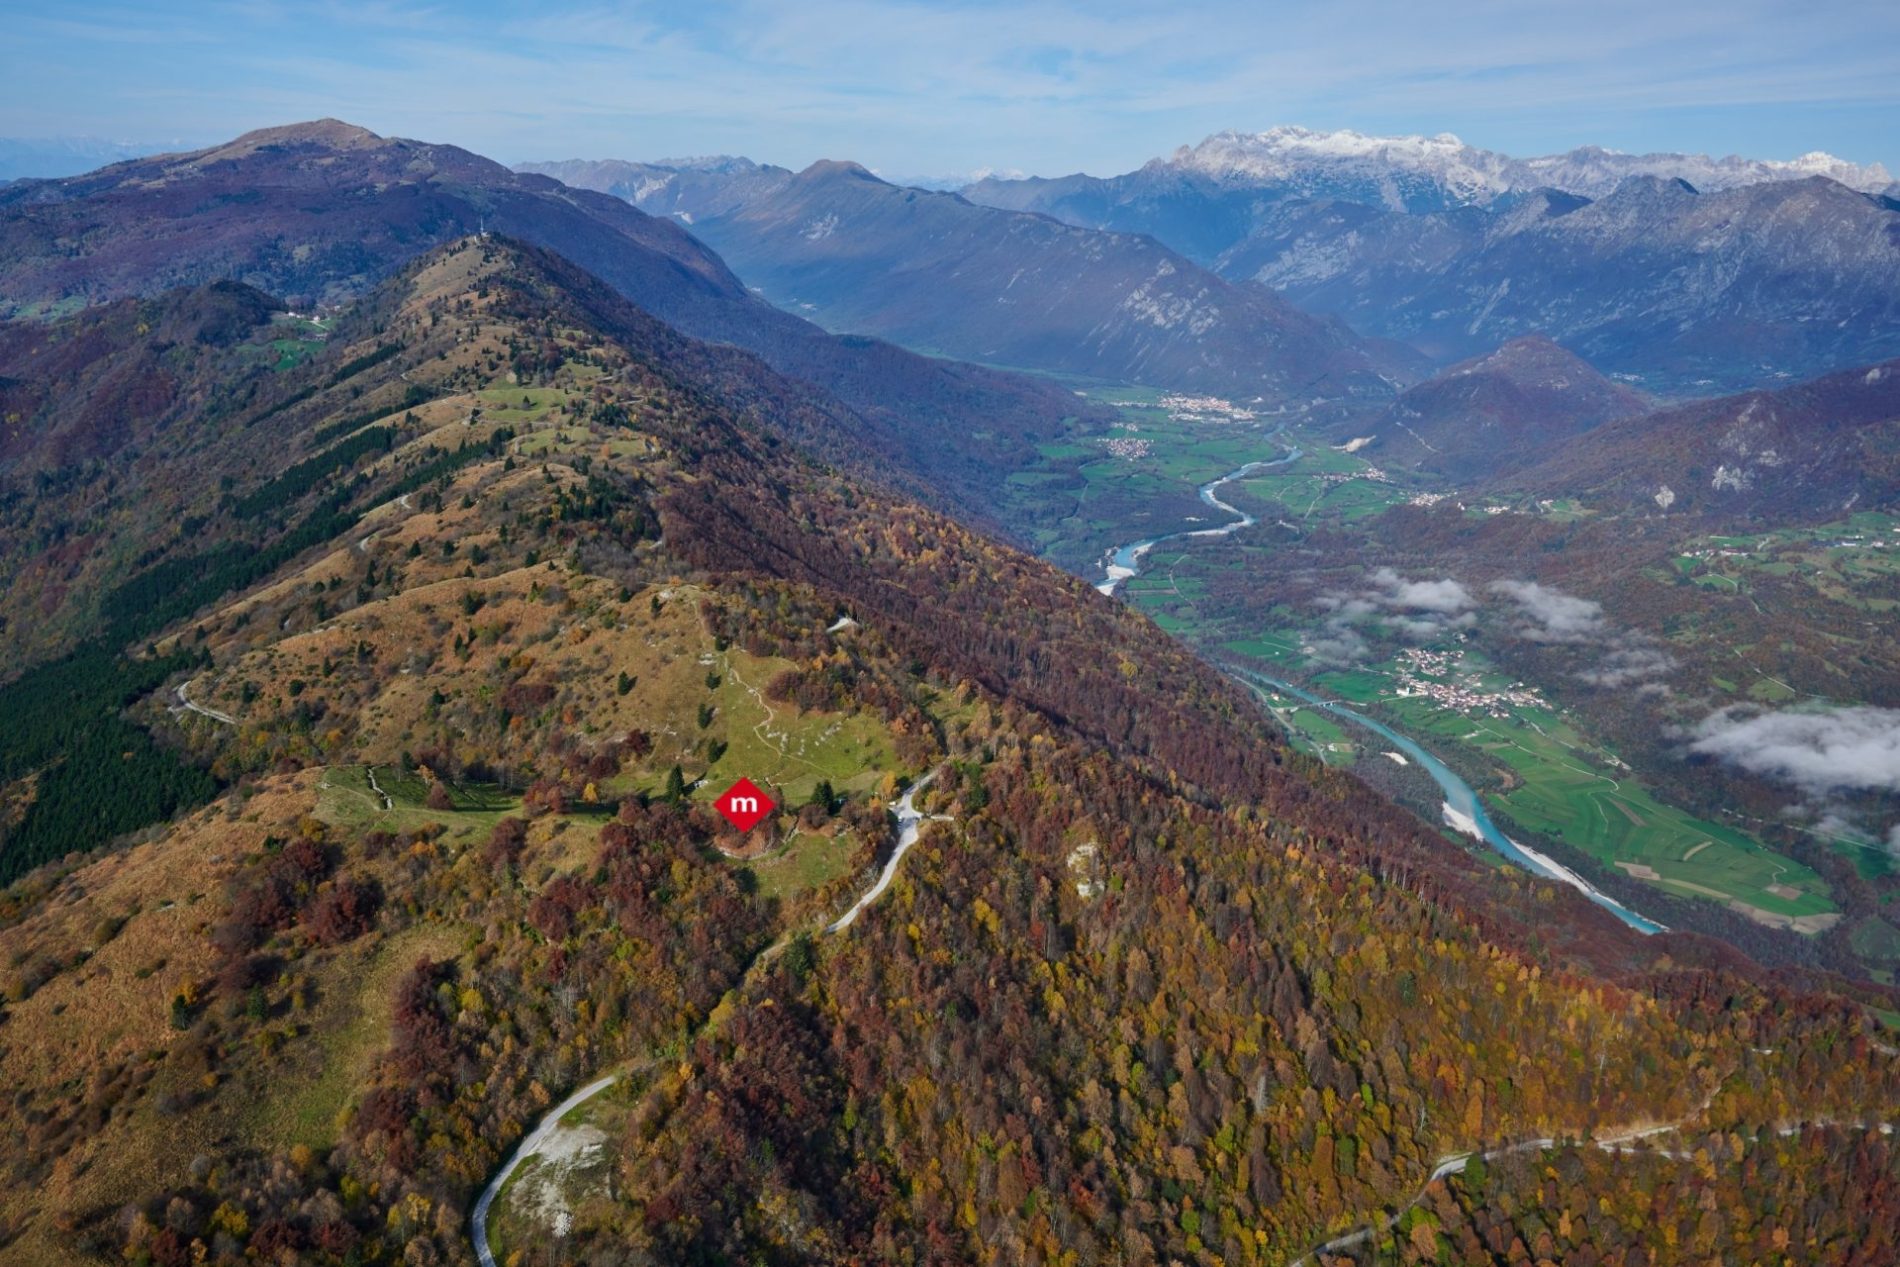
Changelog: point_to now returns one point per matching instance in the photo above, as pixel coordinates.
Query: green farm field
(1083, 498)
(347, 799)
(773, 743)
(1564, 788)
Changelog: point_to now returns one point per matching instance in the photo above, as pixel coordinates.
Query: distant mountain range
(1400, 173)
(52, 156)
(934, 271)
(1689, 274)
(1697, 274)
(687, 189)
(1690, 291)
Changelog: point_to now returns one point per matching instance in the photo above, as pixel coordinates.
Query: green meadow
(1562, 786)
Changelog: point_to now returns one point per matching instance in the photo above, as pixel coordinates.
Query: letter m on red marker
(743, 805)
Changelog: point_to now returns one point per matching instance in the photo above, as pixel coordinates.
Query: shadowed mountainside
(1498, 412)
(931, 270)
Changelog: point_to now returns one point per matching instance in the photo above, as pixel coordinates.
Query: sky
(925, 88)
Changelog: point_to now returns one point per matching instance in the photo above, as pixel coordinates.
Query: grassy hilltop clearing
(459, 660)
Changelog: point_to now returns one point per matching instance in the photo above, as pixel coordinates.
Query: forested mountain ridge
(102, 410)
(1157, 989)
(320, 212)
(1808, 453)
(1499, 411)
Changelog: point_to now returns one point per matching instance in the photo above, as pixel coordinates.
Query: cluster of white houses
(1420, 672)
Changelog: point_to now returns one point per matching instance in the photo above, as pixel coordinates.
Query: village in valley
(1185, 408)
(1422, 673)
(1178, 408)
(1128, 448)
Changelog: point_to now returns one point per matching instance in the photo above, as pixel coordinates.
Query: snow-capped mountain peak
(1416, 172)
(1399, 171)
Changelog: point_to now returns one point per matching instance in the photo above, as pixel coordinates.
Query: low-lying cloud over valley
(1842, 749)
(1421, 610)
(1551, 616)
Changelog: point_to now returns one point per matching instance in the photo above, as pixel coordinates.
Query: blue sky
(923, 88)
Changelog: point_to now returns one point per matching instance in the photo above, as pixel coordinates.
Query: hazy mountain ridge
(933, 270)
(39, 158)
(1399, 173)
(686, 189)
(1467, 175)
(1690, 274)
(1690, 291)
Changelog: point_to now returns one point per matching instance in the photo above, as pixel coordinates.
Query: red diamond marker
(744, 806)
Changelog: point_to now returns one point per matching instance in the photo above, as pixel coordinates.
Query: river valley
(1463, 809)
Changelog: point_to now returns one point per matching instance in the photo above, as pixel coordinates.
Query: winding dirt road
(478, 1220)
(1618, 1143)
(909, 826)
(184, 701)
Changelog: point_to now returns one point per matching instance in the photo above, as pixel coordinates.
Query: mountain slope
(130, 364)
(319, 212)
(1695, 274)
(1687, 290)
(1498, 412)
(1807, 453)
(468, 863)
(933, 271)
(104, 411)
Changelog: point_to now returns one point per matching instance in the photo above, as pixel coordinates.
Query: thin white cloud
(1044, 85)
(1421, 611)
(1626, 657)
(1445, 596)
(1550, 615)
(1628, 664)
